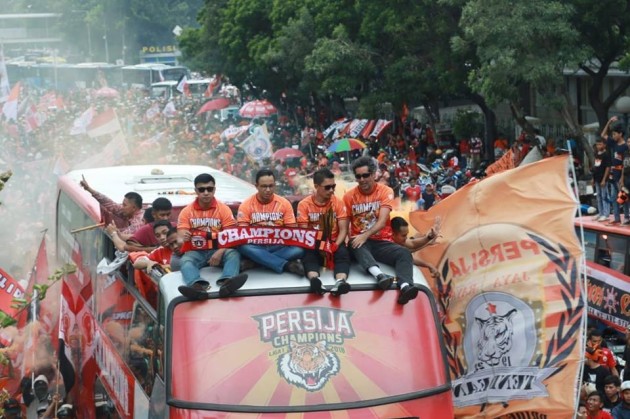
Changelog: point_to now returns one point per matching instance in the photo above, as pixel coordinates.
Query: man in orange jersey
(265, 208)
(207, 214)
(368, 205)
(324, 211)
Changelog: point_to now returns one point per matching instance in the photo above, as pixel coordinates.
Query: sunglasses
(205, 189)
(362, 176)
(330, 187)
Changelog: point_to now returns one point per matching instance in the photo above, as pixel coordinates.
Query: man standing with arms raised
(368, 205)
(325, 212)
(265, 208)
(207, 214)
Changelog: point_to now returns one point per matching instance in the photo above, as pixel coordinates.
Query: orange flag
(510, 292)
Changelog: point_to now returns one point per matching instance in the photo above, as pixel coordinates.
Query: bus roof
(174, 182)
(150, 66)
(588, 223)
(167, 83)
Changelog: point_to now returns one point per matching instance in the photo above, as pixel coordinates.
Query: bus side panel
(439, 406)
(608, 296)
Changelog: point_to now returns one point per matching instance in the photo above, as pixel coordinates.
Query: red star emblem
(492, 309)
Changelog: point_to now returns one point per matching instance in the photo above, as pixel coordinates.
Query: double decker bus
(607, 251)
(271, 350)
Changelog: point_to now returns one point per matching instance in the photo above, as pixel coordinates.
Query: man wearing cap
(622, 411)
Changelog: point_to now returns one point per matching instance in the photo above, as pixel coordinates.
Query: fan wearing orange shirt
(368, 205)
(324, 211)
(207, 214)
(265, 208)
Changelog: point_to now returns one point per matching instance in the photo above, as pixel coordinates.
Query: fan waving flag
(511, 292)
(67, 323)
(10, 107)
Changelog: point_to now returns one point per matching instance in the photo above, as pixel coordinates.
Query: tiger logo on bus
(308, 365)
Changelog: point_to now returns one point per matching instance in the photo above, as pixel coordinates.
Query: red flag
(213, 86)
(68, 329)
(104, 123)
(9, 289)
(39, 276)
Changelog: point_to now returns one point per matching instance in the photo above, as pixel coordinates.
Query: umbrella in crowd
(287, 153)
(106, 92)
(346, 144)
(214, 105)
(257, 109)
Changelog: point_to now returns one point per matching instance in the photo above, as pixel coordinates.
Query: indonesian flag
(104, 123)
(10, 107)
(511, 291)
(79, 126)
(213, 86)
(169, 110)
(182, 86)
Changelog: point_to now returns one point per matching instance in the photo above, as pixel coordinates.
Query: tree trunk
(490, 125)
(432, 108)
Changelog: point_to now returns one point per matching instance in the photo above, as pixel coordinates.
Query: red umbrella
(106, 92)
(214, 105)
(257, 109)
(287, 153)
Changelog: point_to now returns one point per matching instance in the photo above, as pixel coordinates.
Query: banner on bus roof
(511, 292)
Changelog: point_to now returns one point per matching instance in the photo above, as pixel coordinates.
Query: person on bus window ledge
(325, 212)
(369, 205)
(144, 240)
(128, 216)
(618, 147)
(206, 213)
(400, 231)
(266, 208)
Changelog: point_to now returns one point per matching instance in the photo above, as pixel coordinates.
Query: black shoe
(196, 291)
(232, 284)
(408, 293)
(384, 281)
(340, 287)
(295, 267)
(247, 264)
(316, 286)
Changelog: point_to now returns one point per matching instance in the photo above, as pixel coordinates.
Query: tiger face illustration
(496, 340)
(308, 365)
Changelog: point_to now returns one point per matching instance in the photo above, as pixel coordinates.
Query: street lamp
(623, 107)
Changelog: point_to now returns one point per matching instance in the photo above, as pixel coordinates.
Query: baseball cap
(625, 385)
(13, 406)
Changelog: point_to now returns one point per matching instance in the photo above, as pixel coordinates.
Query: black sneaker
(340, 287)
(384, 281)
(316, 286)
(232, 284)
(247, 264)
(196, 291)
(407, 293)
(295, 267)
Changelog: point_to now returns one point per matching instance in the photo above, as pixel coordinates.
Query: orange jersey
(364, 210)
(309, 213)
(278, 212)
(215, 218)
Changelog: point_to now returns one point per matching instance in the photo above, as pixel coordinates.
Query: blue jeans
(194, 260)
(603, 200)
(273, 257)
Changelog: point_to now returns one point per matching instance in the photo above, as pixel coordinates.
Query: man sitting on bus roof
(325, 212)
(207, 214)
(127, 216)
(369, 205)
(143, 240)
(265, 208)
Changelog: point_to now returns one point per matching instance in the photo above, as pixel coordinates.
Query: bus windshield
(274, 351)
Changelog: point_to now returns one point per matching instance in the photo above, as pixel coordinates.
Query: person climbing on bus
(144, 239)
(369, 205)
(126, 217)
(207, 214)
(325, 212)
(400, 232)
(266, 208)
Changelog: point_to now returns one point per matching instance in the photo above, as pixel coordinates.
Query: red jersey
(364, 210)
(309, 213)
(412, 193)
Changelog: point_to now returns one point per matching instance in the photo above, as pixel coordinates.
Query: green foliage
(467, 124)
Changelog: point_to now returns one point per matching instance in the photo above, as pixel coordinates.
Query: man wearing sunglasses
(207, 214)
(325, 212)
(369, 205)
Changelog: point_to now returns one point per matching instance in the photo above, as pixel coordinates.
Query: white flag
(79, 126)
(169, 110)
(5, 88)
(258, 145)
(10, 107)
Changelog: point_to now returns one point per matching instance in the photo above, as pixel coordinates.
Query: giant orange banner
(510, 292)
